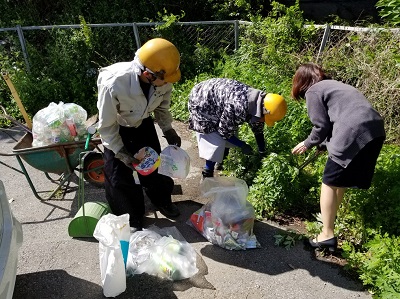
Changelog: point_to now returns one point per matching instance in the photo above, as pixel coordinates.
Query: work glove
(172, 137)
(246, 149)
(126, 157)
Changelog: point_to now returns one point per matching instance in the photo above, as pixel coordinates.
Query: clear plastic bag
(139, 243)
(59, 123)
(175, 162)
(227, 219)
(161, 252)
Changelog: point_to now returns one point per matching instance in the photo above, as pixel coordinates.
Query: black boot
(169, 210)
(207, 173)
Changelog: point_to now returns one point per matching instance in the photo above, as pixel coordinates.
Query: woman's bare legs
(330, 200)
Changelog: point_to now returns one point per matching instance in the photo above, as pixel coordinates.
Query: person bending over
(218, 106)
(346, 125)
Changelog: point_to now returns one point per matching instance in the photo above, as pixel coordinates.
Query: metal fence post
(236, 24)
(327, 33)
(137, 38)
(23, 46)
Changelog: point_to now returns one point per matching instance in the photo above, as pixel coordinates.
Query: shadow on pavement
(54, 284)
(59, 284)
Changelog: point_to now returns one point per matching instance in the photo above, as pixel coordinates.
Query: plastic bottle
(55, 135)
(71, 126)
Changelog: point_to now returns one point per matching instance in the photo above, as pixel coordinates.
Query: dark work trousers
(122, 194)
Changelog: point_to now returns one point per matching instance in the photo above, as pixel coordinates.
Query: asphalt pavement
(54, 265)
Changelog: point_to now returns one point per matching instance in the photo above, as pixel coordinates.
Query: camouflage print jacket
(222, 105)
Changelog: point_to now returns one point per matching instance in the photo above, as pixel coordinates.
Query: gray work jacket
(343, 118)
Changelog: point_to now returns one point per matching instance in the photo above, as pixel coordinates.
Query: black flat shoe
(207, 173)
(330, 244)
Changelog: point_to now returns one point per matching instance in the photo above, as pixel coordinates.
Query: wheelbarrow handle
(91, 131)
(13, 120)
(17, 100)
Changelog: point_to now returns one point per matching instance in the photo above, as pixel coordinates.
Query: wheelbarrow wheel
(93, 169)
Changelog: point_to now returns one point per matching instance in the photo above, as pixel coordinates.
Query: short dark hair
(306, 75)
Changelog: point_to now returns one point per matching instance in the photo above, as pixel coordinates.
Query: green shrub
(269, 47)
(389, 10)
(60, 71)
(279, 187)
(378, 265)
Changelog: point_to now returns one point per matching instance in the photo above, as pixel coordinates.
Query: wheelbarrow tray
(55, 158)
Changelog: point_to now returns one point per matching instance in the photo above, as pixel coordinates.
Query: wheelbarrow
(60, 159)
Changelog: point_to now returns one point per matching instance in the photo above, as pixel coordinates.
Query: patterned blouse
(218, 105)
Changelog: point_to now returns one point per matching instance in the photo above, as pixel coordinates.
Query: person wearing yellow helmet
(218, 106)
(276, 107)
(161, 59)
(129, 95)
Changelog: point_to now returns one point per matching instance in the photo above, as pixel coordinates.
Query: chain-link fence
(334, 35)
(212, 34)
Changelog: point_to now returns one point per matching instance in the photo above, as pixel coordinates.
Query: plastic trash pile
(227, 219)
(59, 123)
(159, 252)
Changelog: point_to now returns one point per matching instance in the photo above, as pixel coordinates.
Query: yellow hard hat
(160, 55)
(277, 107)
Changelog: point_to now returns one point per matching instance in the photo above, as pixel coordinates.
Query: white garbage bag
(113, 233)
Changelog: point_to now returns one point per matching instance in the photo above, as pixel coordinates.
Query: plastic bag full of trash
(227, 219)
(161, 252)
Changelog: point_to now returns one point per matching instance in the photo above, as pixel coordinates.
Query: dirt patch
(297, 225)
